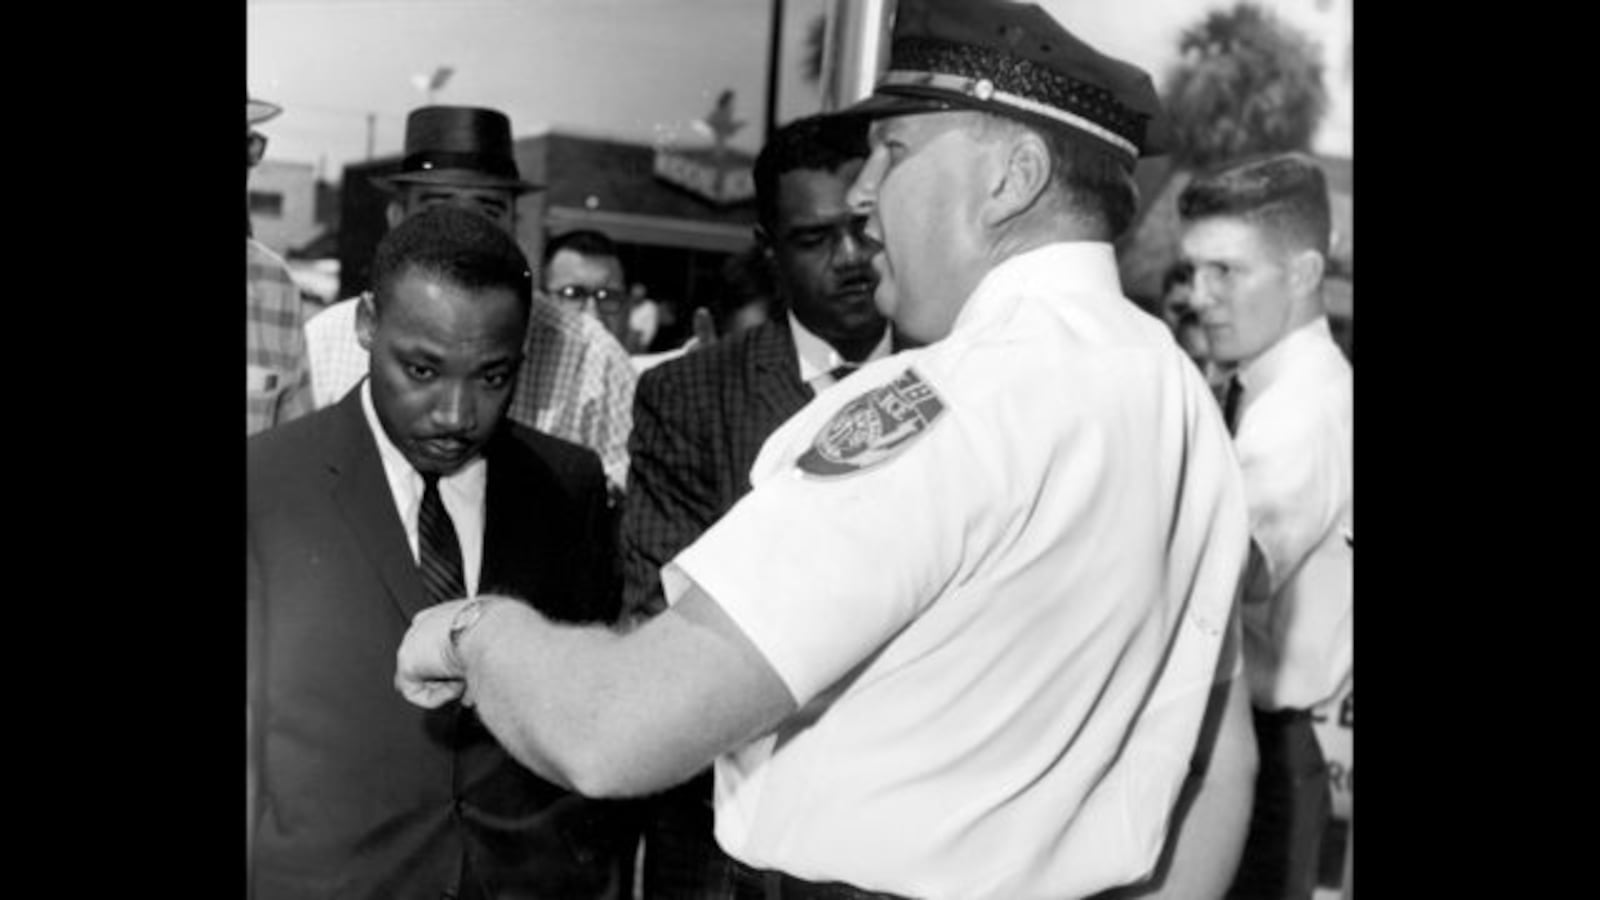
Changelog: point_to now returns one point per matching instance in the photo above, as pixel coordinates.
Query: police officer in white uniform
(958, 640)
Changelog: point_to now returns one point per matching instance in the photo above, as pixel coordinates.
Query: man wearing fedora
(277, 381)
(960, 638)
(577, 382)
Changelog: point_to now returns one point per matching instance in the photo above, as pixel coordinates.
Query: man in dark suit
(411, 490)
(700, 420)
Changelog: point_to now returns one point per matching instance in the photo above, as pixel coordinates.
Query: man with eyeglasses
(277, 381)
(583, 271)
(577, 382)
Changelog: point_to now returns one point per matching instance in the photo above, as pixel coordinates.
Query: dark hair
(583, 242)
(462, 247)
(1098, 180)
(820, 142)
(1095, 180)
(1287, 194)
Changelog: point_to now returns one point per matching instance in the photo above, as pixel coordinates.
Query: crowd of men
(957, 577)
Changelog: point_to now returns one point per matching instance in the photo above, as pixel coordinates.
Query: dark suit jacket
(698, 423)
(362, 794)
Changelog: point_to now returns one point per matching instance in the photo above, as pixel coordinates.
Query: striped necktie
(1230, 403)
(438, 550)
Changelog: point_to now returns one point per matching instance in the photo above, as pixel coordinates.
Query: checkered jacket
(576, 381)
(698, 423)
(277, 383)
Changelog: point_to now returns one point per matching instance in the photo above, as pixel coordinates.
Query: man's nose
(455, 410)
(1201, 295)
(855, 247)
(862, 196)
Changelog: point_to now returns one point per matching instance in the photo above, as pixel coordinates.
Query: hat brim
(905, 100)
(454, 178)
(258, 111)
(882, 105)
(908, 100)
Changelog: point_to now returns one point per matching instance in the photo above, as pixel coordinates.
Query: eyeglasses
(579, 295)
(255, 147)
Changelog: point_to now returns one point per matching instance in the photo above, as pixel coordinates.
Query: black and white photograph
(799, 449)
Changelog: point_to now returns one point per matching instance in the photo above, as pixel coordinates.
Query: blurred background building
(609, 100)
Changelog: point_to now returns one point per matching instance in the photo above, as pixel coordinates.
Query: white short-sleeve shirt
(1295, 442)
(1001, 613)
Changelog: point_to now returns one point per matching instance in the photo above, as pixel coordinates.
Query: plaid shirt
(576, 381)
(277, 384)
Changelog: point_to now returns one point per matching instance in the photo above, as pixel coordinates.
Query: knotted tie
(438, 550)
(842, 371)
(1230, 403)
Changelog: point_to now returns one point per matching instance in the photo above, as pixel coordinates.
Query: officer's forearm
(608, 714)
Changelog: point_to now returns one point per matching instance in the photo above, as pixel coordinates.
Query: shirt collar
(1264, 369)
(817, 356)
(404, 480)
(1068, 267)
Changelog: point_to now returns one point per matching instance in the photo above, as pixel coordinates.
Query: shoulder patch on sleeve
(873, 427)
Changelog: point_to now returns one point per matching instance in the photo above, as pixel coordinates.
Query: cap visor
(881, 105)
(455, 178)
(258, 111)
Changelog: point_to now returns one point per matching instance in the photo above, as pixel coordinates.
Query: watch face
(465, 618)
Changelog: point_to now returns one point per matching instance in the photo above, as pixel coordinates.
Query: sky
(638, 70)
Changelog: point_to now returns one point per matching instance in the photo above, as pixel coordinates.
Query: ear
(395, 212)
(1305, 271)
(366, 320)
(1023, 176)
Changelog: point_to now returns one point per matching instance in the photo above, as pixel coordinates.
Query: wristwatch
(465, 617)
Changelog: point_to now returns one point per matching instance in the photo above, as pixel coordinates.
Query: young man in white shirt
(1257, 234)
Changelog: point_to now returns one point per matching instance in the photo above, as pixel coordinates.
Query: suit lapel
(775, 376)
(510, 523)
(360, 491)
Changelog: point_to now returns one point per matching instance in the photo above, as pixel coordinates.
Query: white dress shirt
(818, 359)
(461, 491)
(1295, 444)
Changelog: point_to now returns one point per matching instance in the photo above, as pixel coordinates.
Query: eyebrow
(425, 354)
(501, 362)
(820, 220)
(823, 224)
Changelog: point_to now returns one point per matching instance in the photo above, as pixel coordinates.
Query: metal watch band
(466, 617)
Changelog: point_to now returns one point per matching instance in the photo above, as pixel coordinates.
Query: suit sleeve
(600, 529)
(254, 617)
(671, 497)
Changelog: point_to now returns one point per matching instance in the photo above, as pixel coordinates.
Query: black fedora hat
(258, 111)
(1014, 60)
(458, 145)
